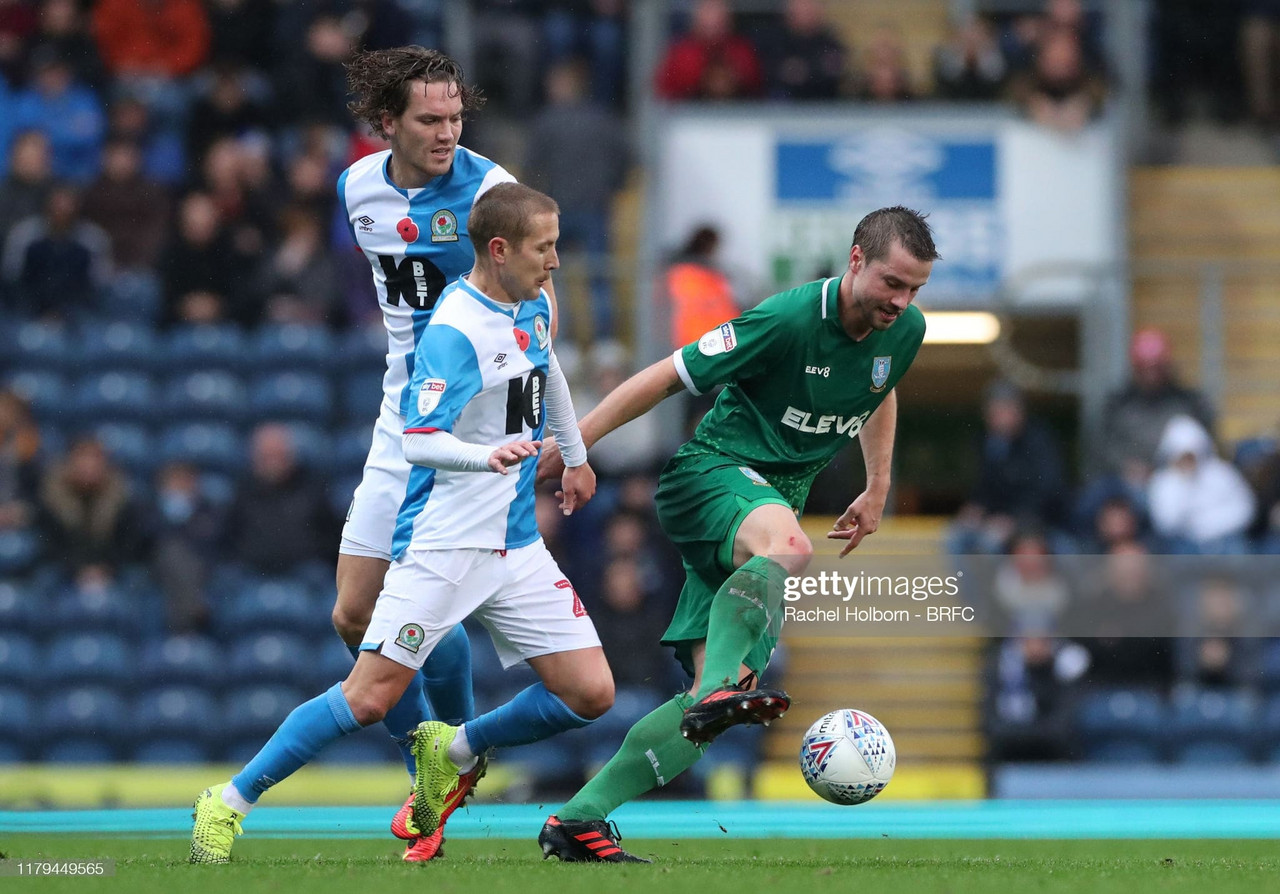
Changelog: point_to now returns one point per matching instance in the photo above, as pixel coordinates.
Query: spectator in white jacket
(1199, 502)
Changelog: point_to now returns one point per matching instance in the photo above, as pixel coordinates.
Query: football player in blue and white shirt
(485, 386)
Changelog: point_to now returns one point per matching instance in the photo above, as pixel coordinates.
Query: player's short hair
(877, 232)
(380, 81)
(506, 210)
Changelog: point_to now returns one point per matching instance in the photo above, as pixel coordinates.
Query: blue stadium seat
(182, 660)
(214, 395)
(293, 397)
(1215, 753)
(111, 610)
(11, 753)
(292, 347)
(268, 658)
(174, 751)
(1212, 717)
(340, 491)
(92, 712)
(1121, 751)
(361, 396)
(250, 714)
(175, 712)
(1112, 711)
(20, 725)
(113, 397)
(282, 606)
(329, 662)
(132, 296)
(212, 446)
(363, 350)
(88, 750)
(18, 551)
(129, 445)
(44, 390)
(19, 662)
(368, 746)
(205, 347)
(314, 447)
(19, 608)
(351, 448)
(89, 658)
(1269, 666)
(40, 346)
(126, 347)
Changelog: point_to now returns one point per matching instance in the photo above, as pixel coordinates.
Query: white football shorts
(371, 520)
(520, 595)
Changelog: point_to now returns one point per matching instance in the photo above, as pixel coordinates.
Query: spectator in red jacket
(711, 61)
(151, 38)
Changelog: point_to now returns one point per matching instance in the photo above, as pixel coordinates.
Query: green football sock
(740, 614)
(652, 755)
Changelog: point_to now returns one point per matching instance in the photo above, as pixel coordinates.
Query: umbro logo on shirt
(366, 223)
(501, 360)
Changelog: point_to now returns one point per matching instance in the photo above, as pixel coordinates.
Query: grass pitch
(698, 866)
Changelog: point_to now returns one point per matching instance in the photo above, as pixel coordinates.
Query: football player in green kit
(804, 372)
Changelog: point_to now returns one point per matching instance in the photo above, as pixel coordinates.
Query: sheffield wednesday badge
(880, 373)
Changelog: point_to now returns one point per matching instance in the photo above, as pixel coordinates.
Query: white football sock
(232, 798)
(460, 751)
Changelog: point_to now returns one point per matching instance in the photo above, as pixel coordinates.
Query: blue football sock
(405, 715)
(447, 678)
(308, 728)
(533, 715)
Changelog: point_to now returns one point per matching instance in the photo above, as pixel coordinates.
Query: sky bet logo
(805, 422)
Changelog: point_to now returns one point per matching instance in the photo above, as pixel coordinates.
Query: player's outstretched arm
(863, 515)
(630, 400)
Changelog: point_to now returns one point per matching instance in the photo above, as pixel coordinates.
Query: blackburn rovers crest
(880, 373)
(444, 226)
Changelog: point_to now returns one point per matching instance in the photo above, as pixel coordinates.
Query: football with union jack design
(847, 756)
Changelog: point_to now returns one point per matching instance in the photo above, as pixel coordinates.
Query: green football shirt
(798, 388)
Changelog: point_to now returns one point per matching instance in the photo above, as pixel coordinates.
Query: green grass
(284, 866)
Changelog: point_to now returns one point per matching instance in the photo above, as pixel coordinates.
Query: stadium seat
(282, 606)
(44, 391)
(361, 396)
(292, 347)
(1121, 751)
(363, 350)
(40, 346)
(328, 662)
(174, 751)
(18, 710)
(18, 551)
(212, 446)
(1211, 715)
(133, 296)
(129, 445)
(1115, 718)
(268, 658)
(1269, 666)
(118, 346)
(368, 746)
(1216, 753)
(351, 448)
(172, 712)
(205, 347)
(291, 397)
(92, 712)
(113, 397)
(314, 447)
(10, 753)
(214, 395)
(182, 660)
(252, 713)
(89, 750)
(19, 608)
(18, 658)
(88, 658)
(110, 610)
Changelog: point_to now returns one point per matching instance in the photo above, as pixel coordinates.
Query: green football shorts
(701, 501)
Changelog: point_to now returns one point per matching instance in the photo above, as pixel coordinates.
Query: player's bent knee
(793, 552)
(592, 700)
(350, 626)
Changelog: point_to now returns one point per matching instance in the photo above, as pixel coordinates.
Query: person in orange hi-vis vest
(700, 293)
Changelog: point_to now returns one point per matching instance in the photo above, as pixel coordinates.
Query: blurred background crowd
(191, 351)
